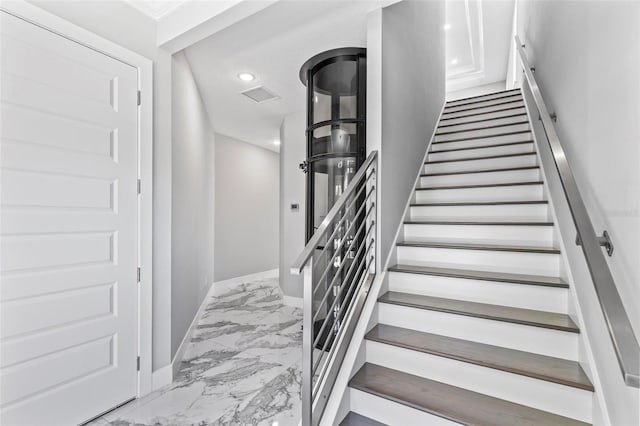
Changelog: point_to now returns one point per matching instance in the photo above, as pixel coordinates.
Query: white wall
(413, 89)
(192, 218)
(587, 60)
(293, 151)
(126, 26)
(246, 208)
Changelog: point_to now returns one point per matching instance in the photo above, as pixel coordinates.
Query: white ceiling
(477, 43)
(272, 44)
(156, 9)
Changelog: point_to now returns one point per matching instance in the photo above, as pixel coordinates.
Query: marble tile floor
(242, 366)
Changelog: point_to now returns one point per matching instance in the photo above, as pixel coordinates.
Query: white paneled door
(68, 265)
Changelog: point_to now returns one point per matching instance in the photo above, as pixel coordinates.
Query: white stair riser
(491, 193)
(481, 260)
(483, 110)
(474, 117)
(487, 97)
(526, 175)
(524, 212)
(544, 341)
(477, 103)
(522, 234)
(481, 132)
(481, 152)
(526, 296)
(543, 395)
(480, 143)
(484, 164)
(495, 138)
(491, 122)
(392, 413)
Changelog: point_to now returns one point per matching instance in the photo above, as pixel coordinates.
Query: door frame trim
(55, 24)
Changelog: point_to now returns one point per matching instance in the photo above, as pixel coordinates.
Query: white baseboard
(215, 289)
(219, 286)
(161, 377)
(296, 302)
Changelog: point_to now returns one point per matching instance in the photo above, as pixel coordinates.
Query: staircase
(474, 328)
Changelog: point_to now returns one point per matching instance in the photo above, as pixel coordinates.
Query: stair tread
(481, 147)
(512, 96)
(522, 316)
(473, 222)
(450, 402)
(482, 275)
(486, 94)
(495, 135)
(355, 419)
(480, 203)
(484, 106)
(475, 246)
(483, 120)
(556, 370)
(482, 185)
(495, 126)
(480, 113)
(481, 158)
(468, 172)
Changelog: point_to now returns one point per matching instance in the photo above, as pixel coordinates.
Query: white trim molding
(55, 24)
(292, 301)
(220, 286)
(163, 376)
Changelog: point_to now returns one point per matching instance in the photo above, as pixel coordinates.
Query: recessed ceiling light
(447, 27)
(454, 61)
(246, 76)
(276, 142)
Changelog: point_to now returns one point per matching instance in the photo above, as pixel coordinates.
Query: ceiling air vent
(260, 94)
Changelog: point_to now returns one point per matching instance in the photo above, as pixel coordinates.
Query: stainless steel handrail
(334, 296)
(620, 330)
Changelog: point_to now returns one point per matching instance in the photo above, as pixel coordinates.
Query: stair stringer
(338, 405)
(584, 308)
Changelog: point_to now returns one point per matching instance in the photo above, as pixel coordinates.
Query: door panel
(68, 228)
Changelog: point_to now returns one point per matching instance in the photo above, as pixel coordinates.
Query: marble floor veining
(242, 366)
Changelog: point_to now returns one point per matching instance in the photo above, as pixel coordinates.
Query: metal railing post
(307, 344)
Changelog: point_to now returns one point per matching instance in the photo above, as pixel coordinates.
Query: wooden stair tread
(475, 246)
(512, 96)
(495, 126)
(495, 135)
(481, 147)
(468, 172)
(481, 158)
(467, 222)
(480, 107)
(550, 320)
(555, 370)
(483, 120)
(480, 203)
(541, 280)
(450, 402)
(486, 94)
(482, 185)
(480, 113)
(355, 419)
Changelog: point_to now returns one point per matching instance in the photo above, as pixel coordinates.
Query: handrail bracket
(604, 241)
